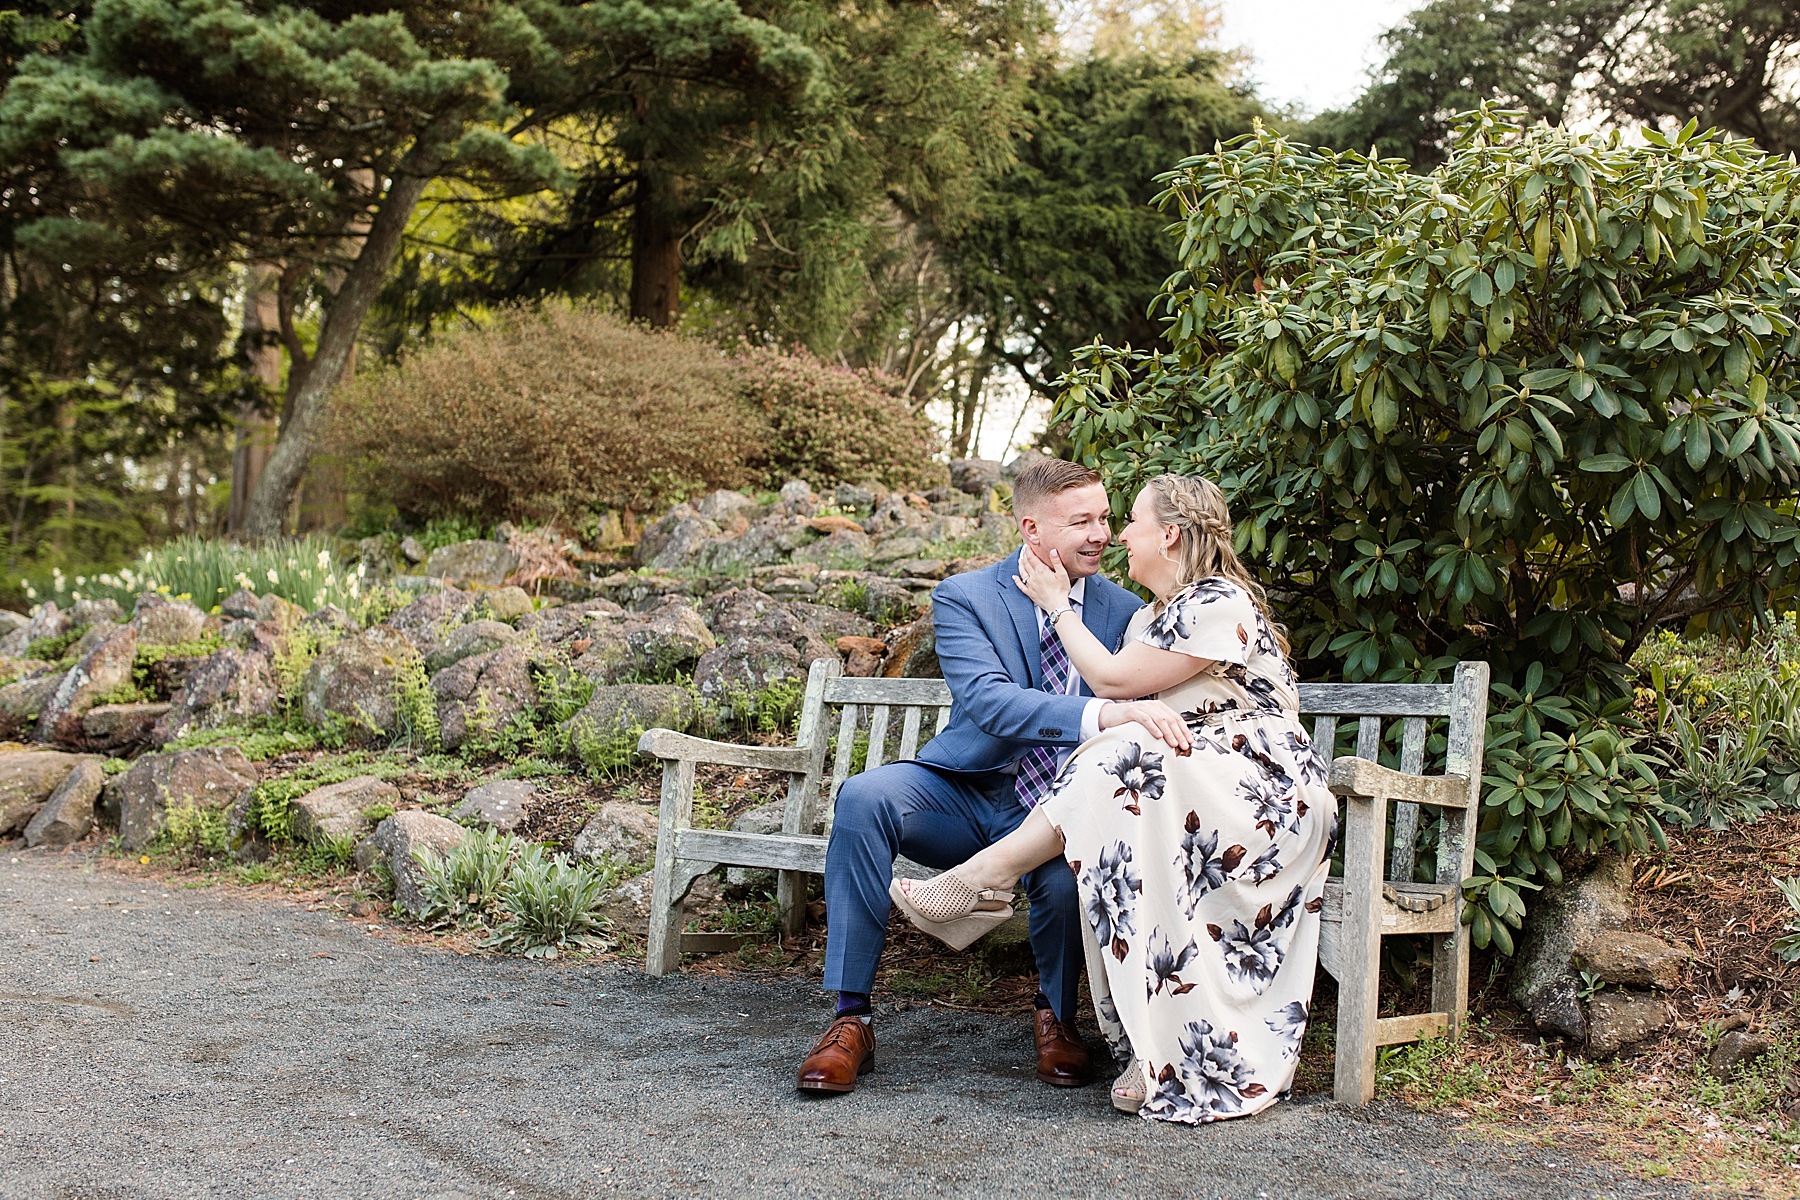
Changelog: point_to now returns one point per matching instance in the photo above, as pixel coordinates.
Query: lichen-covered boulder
(27, 777)
(482, 695)
(620, 832)
(69, 812)
(839, 550)
(1620, 1022)
(479, 561)
(467, 641)
(115, 728)
(340, 810)
(106, 667)
(567, 622)
(229, 687)
(615, 715)
(12, 622)
(396, 838)
(357, 679)
(22, 700)
(672, 638)
(745, 665)
(92, 612)
(430, 618)
(211, 777)
(681, 547)
(160, 621)
(47, 621)
(500, 805)
(508, 603)
(771, 540)
(723, 506)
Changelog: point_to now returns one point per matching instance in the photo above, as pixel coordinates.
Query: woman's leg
(1001, 866)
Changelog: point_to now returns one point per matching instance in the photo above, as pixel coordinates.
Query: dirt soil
(177, 1041)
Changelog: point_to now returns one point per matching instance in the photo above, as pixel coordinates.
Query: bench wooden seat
(1375, 896)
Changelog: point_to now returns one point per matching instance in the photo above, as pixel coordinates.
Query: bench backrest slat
(1375, 699)
(909, 734)
(878, 722)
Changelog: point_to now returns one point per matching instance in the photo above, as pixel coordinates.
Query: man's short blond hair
(1045, 478)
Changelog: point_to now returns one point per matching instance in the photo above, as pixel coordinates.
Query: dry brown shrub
(547, 414)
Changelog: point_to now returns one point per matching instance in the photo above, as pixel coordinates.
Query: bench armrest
(670, 746)
(1360, 777)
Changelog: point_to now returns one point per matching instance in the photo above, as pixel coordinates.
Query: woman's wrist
(1056, 614)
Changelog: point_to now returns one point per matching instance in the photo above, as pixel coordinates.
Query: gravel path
(170, 1042)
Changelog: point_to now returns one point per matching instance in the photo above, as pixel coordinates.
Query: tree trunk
(655, 251)
(257, 430)
(337, 342)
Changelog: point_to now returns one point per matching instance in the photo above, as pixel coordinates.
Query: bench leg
(1358, 949)
(667, 891)
(790, 899)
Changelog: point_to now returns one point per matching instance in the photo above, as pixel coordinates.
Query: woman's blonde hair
(1196, 507)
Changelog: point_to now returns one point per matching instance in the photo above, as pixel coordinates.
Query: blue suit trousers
(936, 818)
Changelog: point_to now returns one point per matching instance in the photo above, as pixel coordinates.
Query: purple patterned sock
(853, 1004)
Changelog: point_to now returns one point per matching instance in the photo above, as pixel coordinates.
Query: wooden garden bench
(1365, 904)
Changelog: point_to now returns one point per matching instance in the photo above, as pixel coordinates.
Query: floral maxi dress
(1202, 876)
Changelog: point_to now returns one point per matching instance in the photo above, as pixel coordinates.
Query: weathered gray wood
(1360, 777)
(1328, 944)
(1406, 814)
(667, 744)
(803, 792)
(850, 689)
(663, 954)
(1456, 839)
(1375, 699)
(840, 765)
(1368, 738)
(1391, 1031)
(715, 943)
(1325, 736)
(772, 851)
(1359, 946)
(943, 719)
(1394, 919)
(909, 734)
(878, 723)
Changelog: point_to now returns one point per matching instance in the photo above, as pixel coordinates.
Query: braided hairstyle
(1197, 508)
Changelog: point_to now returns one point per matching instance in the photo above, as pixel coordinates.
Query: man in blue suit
(1018, 710)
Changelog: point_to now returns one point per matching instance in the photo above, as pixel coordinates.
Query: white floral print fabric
(1202, 876)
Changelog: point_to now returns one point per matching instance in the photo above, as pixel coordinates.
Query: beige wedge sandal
(951, 909)
(1128, 1091)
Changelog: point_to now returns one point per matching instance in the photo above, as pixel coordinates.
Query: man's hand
(1162, 721)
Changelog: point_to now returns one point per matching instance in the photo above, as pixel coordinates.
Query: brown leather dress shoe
(1062, 1056)
(843, 1052)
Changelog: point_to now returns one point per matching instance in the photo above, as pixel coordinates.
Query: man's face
(1074, 524)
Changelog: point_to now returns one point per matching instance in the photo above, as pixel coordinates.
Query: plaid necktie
(1038, 767)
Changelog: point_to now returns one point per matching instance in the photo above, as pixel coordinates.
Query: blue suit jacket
(987, 642)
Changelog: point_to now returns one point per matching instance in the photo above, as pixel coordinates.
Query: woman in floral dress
(1201, 863)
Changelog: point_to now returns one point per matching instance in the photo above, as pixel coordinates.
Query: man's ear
(1028, 529)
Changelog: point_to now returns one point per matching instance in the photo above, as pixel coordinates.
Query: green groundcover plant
(1526, 408)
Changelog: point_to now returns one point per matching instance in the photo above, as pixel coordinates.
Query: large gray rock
(621, 832)
(508, 603)
(480, 696)
(500, 805)
(745, 666)
(47, 621)
(27, 778)
(839, 550)
(1563, 916)
(160, 621)
(1739, 1047)
(771, 540)
(1633, 959)
(680, 549)
(357, 679)
(976, 475)
(106, 667)
(210, 777)
(913, 653)
(467, 641)
(654, 537)
(604, 649)
(116, 727)
(230, 687)
(566, 622)
(1620, 1021)
(1556, 1011)
(670, 639)
(430, 618)
(621, 710)
(398, 836)
(479, 561)
(895, 549)
(897, 512)
(22, 700)
(69, 812)
(12, 622)
(861, 497)
(829, 624)
(339, 810)
(723, 506)
(747, 612)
